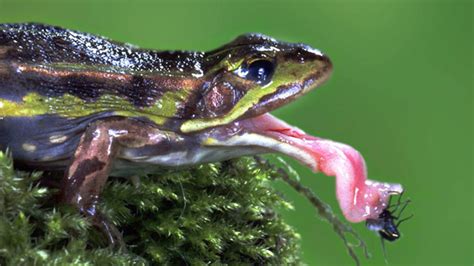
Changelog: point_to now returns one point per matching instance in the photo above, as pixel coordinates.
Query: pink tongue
(359, 198)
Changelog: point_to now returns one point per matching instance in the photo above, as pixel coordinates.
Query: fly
(387, 223)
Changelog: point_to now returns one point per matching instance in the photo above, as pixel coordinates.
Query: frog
(92, 108)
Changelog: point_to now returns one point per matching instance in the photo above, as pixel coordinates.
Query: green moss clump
(221, 213)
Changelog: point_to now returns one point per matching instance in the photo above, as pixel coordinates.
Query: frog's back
(54, 61)
(46, 44)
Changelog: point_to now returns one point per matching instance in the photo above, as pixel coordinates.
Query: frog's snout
(325, 68)
(327, 64)
(319, 66)
(316, 66)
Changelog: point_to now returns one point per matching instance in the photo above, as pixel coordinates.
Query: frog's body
(72, 79)
(91, 106)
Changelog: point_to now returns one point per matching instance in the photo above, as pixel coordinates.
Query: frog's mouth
(358, 197)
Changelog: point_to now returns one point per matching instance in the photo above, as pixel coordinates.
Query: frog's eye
(260, 71)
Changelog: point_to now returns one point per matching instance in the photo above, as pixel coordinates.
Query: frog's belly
(136, 161)
(48, 142)
(44, 142)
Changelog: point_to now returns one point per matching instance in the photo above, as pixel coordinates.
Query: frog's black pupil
(260, 71)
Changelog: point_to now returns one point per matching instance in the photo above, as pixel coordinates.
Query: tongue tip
(359, 198)
(373, 199)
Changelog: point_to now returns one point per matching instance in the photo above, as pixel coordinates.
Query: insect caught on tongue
(387, 223)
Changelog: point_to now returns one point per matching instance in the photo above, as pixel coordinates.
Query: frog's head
(252, 75)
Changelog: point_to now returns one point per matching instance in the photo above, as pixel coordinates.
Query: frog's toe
(114, 236)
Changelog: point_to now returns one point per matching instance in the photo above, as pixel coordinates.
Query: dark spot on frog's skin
(3, 38)
(301, 53)
(87, 167)
(80, 86)
(61, 42)
(142, 91)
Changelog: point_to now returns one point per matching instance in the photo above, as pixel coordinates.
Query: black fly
(387, 223)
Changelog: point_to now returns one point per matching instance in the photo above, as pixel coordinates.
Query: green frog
(93, 107)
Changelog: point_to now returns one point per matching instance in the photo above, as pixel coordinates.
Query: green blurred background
(401, 93)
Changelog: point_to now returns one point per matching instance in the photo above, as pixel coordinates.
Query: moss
(221, 213)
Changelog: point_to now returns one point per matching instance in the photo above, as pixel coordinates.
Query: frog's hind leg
(87, 174)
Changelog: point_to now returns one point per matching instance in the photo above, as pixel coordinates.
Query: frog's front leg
(87, 174)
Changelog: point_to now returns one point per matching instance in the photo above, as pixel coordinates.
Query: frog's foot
(100, 221)
(359, 198)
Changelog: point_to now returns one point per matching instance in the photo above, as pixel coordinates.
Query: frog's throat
(359, 198)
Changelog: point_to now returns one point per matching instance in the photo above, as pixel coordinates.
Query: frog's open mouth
(359, 198)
